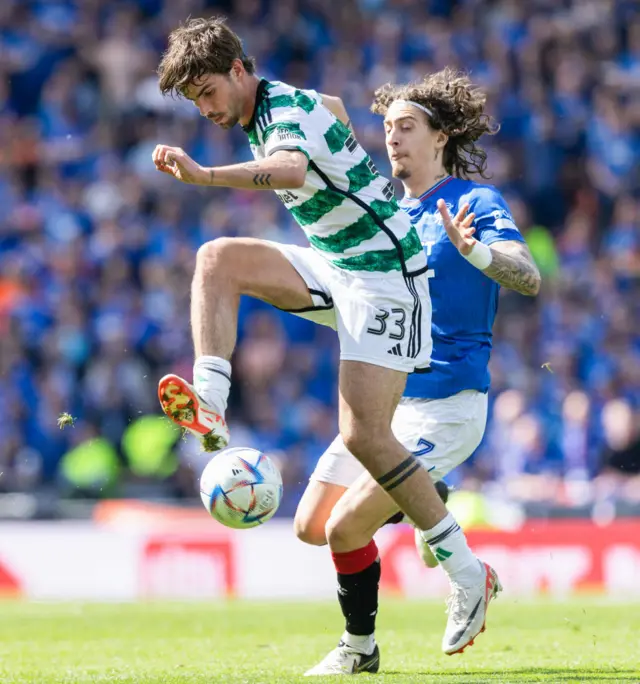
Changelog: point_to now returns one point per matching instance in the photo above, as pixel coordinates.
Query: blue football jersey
(464, 300)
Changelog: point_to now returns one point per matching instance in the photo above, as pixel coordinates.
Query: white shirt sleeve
(293, 128)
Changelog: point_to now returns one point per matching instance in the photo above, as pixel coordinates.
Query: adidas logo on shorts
(395, 350)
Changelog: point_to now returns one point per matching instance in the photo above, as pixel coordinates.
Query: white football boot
(344, 660)
(186, 409)
(467, 607)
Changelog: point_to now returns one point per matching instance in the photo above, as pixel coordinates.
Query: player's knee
(309, 531)
(362, 439)
(218, 257)
(338, 532)
(343, 534)
(353, 437)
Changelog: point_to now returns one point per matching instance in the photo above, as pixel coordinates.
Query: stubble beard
(230, 123)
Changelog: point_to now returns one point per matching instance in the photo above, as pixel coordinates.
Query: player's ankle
(358, 642)
(449, 545)
(212, 381)
(467, 575)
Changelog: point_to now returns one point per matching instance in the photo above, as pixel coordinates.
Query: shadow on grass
(551, 674)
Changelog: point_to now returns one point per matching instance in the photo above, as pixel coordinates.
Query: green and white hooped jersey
(346, 208)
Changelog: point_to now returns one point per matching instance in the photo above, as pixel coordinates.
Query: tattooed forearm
(252, 166)
(284, 169)
(259, 179)
(263, 179)
(512, 266)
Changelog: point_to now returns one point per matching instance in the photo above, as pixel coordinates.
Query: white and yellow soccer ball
(241, 487)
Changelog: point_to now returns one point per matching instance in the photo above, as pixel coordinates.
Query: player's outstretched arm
(509, 262)
(283, 170)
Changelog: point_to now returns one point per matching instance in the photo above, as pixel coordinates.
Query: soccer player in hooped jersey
(364, 274)
(473, 247)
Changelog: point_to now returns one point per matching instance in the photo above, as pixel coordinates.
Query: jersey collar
(429, 192)
(260, 93)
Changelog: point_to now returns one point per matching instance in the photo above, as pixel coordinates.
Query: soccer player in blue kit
(473, 247)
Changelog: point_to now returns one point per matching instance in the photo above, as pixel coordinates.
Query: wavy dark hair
(199, 47)
(458, 111)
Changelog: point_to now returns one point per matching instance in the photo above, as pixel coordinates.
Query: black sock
(358, 596)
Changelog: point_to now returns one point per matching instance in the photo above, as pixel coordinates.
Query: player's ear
(441, 140)
(236, 70)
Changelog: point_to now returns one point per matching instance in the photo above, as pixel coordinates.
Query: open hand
(460, 228)
(177, 163)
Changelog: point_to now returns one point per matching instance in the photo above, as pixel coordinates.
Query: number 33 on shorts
(395, 326)
(399, 335)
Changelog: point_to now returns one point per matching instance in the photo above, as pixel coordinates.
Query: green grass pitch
(263, 643)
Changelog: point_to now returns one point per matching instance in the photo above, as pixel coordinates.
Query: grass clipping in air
(211, 442)
(65, 419)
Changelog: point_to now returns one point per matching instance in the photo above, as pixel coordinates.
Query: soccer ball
(241, 487)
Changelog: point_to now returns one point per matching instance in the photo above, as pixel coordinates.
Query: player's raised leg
(225, 269)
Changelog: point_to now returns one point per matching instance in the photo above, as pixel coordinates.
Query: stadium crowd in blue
(97, 248)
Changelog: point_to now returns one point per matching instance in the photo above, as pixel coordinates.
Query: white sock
(212, 381)
(363, 644)
(449, 545)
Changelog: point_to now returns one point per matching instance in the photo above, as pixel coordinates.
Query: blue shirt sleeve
(493, 222)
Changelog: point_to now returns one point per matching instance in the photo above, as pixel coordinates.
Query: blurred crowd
(97, 248)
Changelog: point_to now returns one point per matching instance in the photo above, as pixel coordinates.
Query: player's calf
(350, 529)
(443, 492)
(422, 547)
(401, 471)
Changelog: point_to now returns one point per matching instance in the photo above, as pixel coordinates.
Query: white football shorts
(384, 319)
(441, 434)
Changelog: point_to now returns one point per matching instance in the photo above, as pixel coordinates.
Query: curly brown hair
(199, 47)
(458, 111)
